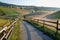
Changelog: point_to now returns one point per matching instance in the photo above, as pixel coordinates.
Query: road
(28, 32)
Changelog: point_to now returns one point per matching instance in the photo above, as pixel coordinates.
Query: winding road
(28, 32)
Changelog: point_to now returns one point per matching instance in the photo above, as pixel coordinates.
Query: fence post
(38, 21)
(57, 28)
(43, 23)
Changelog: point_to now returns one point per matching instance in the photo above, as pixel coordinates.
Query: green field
(7, 11)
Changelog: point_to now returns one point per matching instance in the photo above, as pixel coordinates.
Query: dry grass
(4, 23)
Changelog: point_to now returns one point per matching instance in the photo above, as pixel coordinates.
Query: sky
(44, 3)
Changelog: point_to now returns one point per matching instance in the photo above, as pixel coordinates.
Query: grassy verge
(15, 35)
(45, 30)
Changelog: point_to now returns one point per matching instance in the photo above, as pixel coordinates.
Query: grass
(55, 15)
(8, 22)
(46, 30)
(15, 35)
(4, 22)
(6, 14)
(8, 11)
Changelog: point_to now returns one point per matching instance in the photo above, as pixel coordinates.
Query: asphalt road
(28, 32)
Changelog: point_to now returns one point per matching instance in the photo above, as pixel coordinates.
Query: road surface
(28, 32)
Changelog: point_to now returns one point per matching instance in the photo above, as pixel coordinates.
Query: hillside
(55, 15)
(6, 12)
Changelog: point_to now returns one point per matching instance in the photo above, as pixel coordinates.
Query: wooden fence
(6, 31)
(54, 26)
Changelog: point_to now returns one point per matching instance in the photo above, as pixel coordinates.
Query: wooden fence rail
(5, 32)
(54, 26)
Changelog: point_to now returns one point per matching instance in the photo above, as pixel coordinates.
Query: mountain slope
(55, 15)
